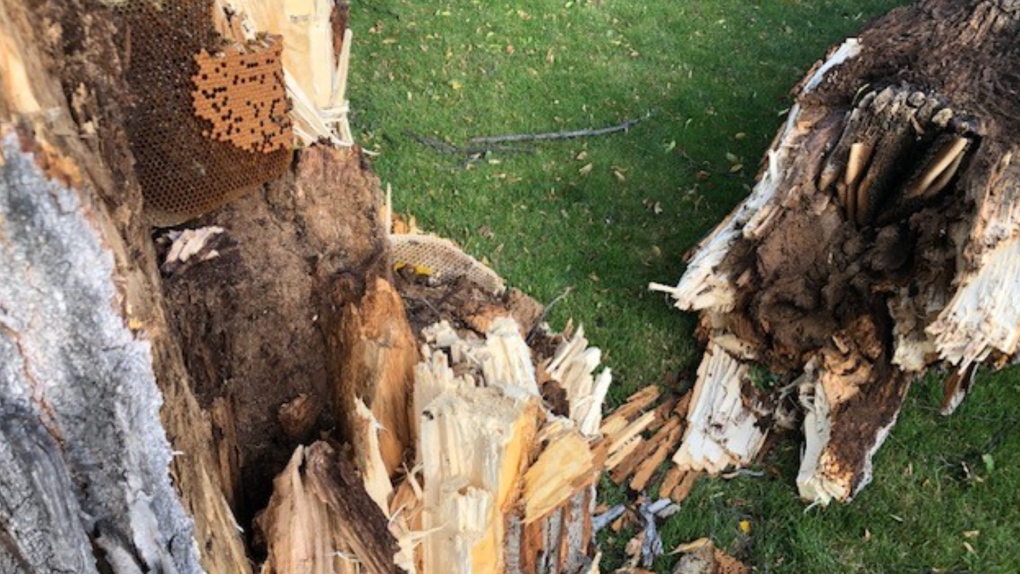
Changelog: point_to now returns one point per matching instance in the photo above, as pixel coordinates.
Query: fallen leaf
(670, 146)
(971, 533)
(549, 56)
(456, 85)
(736, 167)
(732, 158)
(867, 535)
(586, 169)
(581, 156)
(740, 136)
(691, 546)
(969, 548)
(745, 526)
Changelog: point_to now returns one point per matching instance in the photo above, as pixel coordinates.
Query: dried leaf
(586, 169)
(691, 546)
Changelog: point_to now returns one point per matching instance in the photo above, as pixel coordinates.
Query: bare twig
(471, 152)
(545, 313)
(562, 135)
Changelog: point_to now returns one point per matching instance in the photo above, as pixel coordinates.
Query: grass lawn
(606, 215)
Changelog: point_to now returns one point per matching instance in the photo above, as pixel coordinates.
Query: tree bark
(880, 241)
(87, 360)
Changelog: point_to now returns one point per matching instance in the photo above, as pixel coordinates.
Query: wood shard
(636, 403)
(721, 431)
(320, 515)
(565, 465)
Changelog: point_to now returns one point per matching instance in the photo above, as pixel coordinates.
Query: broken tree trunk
(153, 384)
(882, 240)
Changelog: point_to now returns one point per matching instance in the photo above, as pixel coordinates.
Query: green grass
(715, 75)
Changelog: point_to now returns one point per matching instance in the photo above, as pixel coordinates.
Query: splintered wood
(641, 434)
(882, 240)
(507, 483)
(495, 481)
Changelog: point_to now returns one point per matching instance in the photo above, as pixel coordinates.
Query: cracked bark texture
(94, 398)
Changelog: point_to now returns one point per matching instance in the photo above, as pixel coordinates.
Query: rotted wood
(881, 240)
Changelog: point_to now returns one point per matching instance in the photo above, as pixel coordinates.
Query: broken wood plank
(636, 403)
(685, 486)
(665, 442)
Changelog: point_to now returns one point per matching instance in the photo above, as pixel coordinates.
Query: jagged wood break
(882, 240)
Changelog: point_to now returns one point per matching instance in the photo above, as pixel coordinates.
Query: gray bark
(83, 455)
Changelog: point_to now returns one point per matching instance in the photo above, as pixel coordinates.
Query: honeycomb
(206, 119)
(241, 92)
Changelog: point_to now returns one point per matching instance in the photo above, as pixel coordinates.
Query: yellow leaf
(585, 170)
(971, 533)
(693, 546)
(456, 85)
(736, 167)
(745, 526)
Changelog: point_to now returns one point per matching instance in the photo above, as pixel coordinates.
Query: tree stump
(881, 241)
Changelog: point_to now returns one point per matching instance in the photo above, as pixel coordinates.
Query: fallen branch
(573, 134)
(472, 153)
